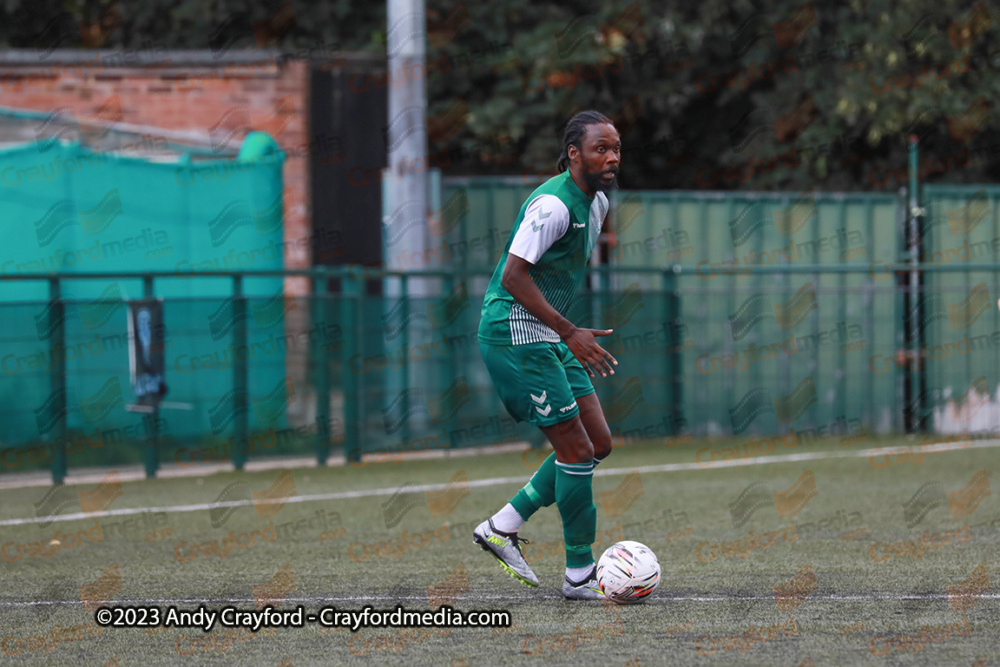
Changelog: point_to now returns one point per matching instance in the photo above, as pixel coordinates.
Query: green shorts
(538, 382)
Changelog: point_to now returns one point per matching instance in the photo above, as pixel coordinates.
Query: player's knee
(602, 447)
(580, 451)
(602, 444)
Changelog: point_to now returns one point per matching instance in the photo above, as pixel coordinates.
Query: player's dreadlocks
(575, 129)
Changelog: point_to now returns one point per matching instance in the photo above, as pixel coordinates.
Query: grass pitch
(830, 560)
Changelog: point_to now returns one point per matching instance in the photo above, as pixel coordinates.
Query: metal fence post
(350, 308)
(57, 379)
(916, 333)
(901, 320)
(671, 365)
(321, 365)
(240, 382)
(404, 318)
(450, 372)
(922, 252)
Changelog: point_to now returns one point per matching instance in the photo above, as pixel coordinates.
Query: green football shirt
(556, 231)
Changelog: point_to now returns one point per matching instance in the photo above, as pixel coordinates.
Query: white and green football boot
(588, 589)
(506, 548)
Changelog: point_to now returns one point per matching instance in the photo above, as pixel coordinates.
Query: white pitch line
(482, 598)
(934, 448)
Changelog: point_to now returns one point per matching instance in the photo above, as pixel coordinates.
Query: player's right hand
(583, 344)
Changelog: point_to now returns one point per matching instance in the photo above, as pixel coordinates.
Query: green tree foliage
(711, 95)
(726, 95)
(295, 27)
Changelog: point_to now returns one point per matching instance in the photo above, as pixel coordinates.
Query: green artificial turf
(838, 608)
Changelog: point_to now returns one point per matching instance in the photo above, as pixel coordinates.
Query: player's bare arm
(581, 342)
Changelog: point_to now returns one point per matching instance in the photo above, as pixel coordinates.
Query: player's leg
(592, 417)
(542, 374)
(540, 491)
(530, 390)
(532, 382)
(592, 430)
(584, 437)
(591, 413)
(575, 500)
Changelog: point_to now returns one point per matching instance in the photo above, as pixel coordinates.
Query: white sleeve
(545, 221)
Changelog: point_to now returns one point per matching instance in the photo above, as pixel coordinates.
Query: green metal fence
(959, 235)
(761, 316)
(776, 373)
(829, 271)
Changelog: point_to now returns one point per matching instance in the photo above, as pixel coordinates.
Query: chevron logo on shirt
(542, 215)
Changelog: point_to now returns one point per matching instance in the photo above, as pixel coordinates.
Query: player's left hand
(584, 347)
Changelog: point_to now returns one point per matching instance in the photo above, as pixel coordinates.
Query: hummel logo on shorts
(568, 407)
(541, 399)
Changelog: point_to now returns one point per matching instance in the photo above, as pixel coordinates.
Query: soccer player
(540, 362)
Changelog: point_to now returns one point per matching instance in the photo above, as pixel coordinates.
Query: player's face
(601, 156)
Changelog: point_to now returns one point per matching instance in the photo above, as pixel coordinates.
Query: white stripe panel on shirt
(526, 328)
(598, 212)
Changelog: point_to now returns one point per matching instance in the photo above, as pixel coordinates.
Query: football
(628, 572)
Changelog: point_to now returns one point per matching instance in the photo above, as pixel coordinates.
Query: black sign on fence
(146, 351)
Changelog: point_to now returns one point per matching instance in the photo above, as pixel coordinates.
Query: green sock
(575, 499)
(539, 492)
